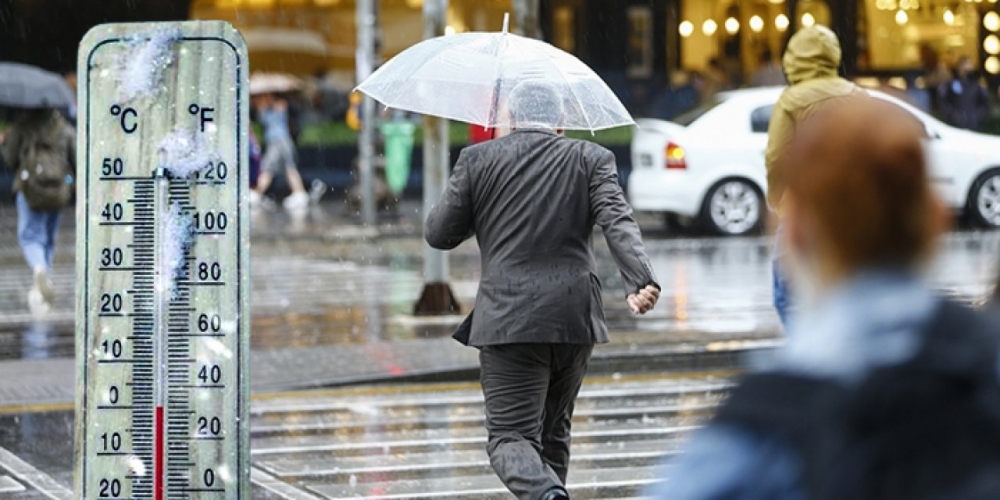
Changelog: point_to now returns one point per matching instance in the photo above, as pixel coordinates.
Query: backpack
(926, 429)
(44, 176)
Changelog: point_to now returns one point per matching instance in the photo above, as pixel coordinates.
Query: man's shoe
(36, 303)
(555, 494)
(296, 201)
(316, 191)
(44, 285)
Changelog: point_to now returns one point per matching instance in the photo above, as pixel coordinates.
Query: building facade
(643, 46)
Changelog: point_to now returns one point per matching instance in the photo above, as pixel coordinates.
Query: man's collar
(542, 130)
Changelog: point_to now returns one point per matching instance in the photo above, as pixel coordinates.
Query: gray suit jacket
(532, 199)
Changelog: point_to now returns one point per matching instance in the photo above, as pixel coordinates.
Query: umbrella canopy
(468, 77)
(265, 83)
(24, 86)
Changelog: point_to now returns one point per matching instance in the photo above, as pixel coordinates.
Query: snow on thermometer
(162, 263)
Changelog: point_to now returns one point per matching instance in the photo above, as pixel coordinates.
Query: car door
(949, 154)
(942, 155)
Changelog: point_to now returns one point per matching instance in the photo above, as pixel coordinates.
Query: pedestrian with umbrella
(272, 110)
(41, 148)
(531, 199)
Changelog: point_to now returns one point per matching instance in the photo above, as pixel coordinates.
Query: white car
(708, 165)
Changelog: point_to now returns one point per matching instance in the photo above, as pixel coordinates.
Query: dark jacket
(532, 199)
(963, 103)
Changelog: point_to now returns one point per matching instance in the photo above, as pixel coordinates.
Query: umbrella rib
(493, 120)
(570, 85)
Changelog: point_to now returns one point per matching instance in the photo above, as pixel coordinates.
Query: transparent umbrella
(467, 77)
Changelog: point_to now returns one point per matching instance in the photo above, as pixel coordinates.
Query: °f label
(162, 263)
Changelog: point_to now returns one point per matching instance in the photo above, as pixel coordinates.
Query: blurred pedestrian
(769, 73)
(682, 95)
(716, 79)
(279, 152)
(810, 64)
(936, 73)
(885, 390)
(255, 158)
(531, 198)
(41, 149)
(963, 100)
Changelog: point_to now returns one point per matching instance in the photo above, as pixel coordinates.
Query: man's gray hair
(534, 102)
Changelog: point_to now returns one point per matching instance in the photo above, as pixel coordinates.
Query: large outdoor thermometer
(162, 263)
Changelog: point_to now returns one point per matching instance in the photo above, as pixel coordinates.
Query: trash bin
(398, 150)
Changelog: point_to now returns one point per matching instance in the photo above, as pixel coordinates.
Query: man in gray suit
(532, 199)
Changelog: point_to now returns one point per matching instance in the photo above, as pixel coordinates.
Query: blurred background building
(640, 46)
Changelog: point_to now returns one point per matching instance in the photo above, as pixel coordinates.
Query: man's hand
(642, 302)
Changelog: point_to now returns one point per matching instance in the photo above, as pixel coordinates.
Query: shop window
(564, 28)
(640, 41)
(736, 33)
(810, 12)
(905, 34)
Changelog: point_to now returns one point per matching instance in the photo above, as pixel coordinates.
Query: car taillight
(675, 156)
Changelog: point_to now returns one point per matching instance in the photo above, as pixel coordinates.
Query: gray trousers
(530, 390)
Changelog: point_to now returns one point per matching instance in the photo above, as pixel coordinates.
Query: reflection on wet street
(309, 293)
(414, 441)
(36, 452)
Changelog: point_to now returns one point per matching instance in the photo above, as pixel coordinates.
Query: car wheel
(984, 200)
(733, 207)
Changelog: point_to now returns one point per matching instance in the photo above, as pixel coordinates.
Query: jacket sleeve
(779, 134)
(945, 105)
(982, 103)
(450, 221)
(614, 215)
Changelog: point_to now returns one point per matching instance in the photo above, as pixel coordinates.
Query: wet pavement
(428, 442)
(412, 441)
(331, 306)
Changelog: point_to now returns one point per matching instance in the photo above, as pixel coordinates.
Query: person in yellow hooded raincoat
(810, 64)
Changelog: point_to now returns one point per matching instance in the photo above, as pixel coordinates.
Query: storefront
(639, 45)
(881, 38)
(311, 36)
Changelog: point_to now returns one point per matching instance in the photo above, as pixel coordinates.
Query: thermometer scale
(162, 263)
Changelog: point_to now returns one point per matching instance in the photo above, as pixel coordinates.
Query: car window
(690, 117)
(760, 118)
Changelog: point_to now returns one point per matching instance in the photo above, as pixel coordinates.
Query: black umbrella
(24, 86)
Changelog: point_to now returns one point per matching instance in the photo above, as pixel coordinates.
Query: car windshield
(688, 118)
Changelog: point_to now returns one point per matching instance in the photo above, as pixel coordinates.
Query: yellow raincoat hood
(813, 52)
(810, 63)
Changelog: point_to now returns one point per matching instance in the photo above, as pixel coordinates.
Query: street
(353, 397)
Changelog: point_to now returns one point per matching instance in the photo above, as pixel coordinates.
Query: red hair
(856, 167)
